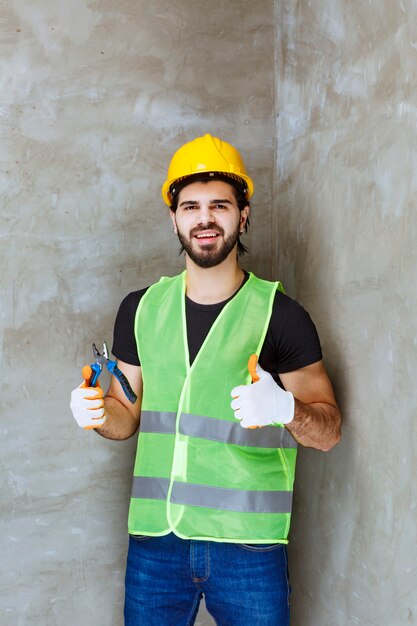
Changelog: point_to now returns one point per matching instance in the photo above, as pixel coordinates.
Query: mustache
(209, 226)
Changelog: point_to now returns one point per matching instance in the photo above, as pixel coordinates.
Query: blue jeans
(243, 585)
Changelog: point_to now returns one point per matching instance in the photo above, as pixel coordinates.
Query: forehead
(213, 189)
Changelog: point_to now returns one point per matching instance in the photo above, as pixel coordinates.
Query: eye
(219, 206)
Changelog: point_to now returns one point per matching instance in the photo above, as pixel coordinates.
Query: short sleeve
(292, 341)
(124, 341)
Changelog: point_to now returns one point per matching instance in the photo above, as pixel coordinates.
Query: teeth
(205, 236)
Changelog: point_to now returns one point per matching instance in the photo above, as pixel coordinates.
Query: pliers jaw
(101, 359)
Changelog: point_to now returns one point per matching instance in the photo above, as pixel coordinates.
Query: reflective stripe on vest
(213, 497)
(216, 430)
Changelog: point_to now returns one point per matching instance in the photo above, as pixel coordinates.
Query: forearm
(120, 422)
(316, 425)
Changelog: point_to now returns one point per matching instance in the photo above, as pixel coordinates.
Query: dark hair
(239, 189)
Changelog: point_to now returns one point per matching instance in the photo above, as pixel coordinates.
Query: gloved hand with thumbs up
(262, 403)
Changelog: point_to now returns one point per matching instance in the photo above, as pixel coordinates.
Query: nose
(205, 214)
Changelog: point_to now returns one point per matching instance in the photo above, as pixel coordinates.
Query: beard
(211, 254)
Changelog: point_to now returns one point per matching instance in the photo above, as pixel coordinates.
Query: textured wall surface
(95, 96)
(347, 248)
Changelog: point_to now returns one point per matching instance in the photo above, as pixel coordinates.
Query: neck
(213, 284)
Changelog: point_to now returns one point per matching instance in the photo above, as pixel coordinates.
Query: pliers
(91, 373)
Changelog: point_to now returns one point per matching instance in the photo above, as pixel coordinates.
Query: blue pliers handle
(101, 359)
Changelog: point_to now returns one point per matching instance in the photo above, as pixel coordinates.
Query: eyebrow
(215, 201)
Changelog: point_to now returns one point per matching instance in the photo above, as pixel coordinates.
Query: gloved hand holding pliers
(87, 400)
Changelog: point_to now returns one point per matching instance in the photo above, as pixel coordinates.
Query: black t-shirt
(291, 340)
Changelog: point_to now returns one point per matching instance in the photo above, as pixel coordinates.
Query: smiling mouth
(206, 235)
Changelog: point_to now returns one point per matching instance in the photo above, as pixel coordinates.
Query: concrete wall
(346, 247)
(94, 99)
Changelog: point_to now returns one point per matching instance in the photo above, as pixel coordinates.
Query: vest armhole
(277, 287)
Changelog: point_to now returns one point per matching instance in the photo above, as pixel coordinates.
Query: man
(212, 488)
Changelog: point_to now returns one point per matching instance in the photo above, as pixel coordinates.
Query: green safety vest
(198, 473)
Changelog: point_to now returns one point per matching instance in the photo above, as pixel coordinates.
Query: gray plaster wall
(94, 99)
(345, 223)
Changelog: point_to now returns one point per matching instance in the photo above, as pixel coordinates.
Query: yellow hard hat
(206, 154)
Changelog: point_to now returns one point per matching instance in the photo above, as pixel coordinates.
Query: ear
(244, 214)
(174, 221)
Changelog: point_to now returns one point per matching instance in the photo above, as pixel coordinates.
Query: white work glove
(87, 406)
(262, 403)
